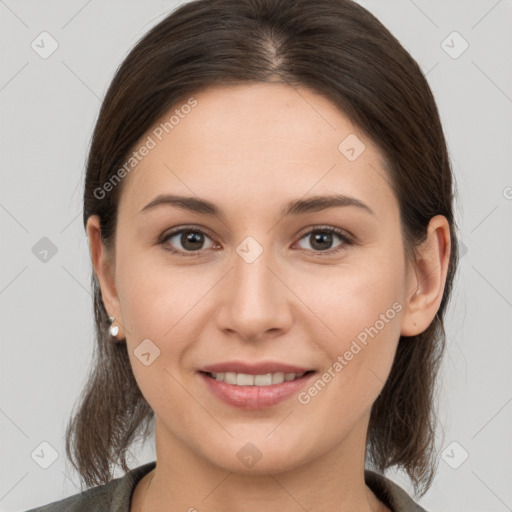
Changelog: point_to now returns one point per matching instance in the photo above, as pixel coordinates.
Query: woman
(268, 204)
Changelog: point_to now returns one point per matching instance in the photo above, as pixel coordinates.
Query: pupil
(188, 240)
(326, 238)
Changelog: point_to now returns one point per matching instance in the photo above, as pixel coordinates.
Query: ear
(426, 280)
(104, 268)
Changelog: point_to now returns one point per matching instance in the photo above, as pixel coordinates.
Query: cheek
(157, 307)
(364, 313)
(348, 303)
(154, 296)
(360, 311)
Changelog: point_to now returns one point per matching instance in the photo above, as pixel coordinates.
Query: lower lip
(255, 397)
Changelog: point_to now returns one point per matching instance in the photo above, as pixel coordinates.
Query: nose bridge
(254, 302)
(253, 281)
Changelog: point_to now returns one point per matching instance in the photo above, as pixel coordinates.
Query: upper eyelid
(177, 231)
(334, 229)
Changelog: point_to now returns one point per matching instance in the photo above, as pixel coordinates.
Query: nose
(255, 302)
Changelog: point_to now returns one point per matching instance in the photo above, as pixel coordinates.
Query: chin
(257, 458)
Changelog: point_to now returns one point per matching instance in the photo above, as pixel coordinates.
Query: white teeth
(244, 379)
(262, 380)
(277, 378)
(229, 377)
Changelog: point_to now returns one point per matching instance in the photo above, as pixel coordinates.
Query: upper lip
(254, 368)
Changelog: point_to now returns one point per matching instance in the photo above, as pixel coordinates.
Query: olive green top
(116, 495)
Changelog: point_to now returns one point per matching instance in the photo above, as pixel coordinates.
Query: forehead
(257, 142)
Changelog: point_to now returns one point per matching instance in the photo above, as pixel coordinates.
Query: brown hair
(335, 48)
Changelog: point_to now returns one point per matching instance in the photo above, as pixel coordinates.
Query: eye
(321, 239)
(191, 240)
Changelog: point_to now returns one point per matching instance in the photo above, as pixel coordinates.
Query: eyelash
(346, 239)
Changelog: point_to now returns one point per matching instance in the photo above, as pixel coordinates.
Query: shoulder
(112, 496)
(390, 493)
(96, 499)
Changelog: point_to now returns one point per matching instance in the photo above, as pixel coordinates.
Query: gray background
(48, 109)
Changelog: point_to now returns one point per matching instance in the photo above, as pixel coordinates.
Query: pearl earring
(113, 329)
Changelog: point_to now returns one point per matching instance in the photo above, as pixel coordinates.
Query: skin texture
(250, 149)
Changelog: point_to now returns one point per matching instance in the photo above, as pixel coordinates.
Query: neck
(182, 480)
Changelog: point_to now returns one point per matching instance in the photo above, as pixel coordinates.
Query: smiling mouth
(261, 380)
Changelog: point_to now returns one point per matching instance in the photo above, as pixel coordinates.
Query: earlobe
(426, 281)
(103, 268)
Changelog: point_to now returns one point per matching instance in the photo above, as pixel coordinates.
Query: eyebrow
(295, 207)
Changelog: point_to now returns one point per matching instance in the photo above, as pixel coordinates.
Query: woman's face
(260, 283)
